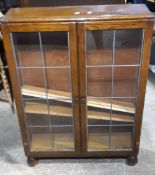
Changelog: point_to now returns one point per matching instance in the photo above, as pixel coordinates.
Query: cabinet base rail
(33, 161)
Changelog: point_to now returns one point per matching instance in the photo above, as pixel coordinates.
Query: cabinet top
(78, 13)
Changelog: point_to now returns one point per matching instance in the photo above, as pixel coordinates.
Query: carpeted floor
(13, 161)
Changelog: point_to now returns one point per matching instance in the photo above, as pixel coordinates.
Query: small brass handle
(83, 100)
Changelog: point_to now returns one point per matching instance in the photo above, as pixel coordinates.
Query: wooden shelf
(44, 141)
(39, 108)
(120, 106)
(100, 141)
(41, 141)
(96, 141)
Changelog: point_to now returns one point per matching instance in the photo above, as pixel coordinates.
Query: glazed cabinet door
(46, 85)
(110, 58)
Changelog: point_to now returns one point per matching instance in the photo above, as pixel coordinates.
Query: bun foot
(131, 161)
(32, 161)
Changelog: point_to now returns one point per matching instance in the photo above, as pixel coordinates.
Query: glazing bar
(48, 67)
(55, 126)
(112, 97)
(126, 65)
(46, 86)
(112, 84)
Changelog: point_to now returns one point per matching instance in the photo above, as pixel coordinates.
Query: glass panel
(27, 49)
(55, 46)
(61, 113)
(99, 81)
(56, 137)
(112, 70)
(34, 119)
(40, 138)
(98, 111)
(63, 138)
(44, 72)
(123, 111)
(127, 46)
(121, 137)
(60, 108)
(98, 138)
(59, 82)
(99, 47)
(36, 112)
(32, 82)
(125, 81)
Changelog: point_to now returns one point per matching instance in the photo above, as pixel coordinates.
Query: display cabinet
(79, 77)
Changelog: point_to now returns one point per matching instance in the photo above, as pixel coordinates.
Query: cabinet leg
(32, 161)
(131, 161)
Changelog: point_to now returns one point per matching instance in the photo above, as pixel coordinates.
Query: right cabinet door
(110, 61)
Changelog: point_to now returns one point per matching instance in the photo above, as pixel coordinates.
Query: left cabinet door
(43, 66)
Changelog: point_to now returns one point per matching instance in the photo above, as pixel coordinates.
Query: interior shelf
(45, 141)
(120, 106)
(39, 108)
(96, 141)
(100, 141)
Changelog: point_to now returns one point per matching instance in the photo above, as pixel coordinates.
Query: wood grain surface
(78, 13)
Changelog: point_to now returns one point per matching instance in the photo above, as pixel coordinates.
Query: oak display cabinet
(79, 77)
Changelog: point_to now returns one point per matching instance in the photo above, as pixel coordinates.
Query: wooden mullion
(82, 86)
(74, 85)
